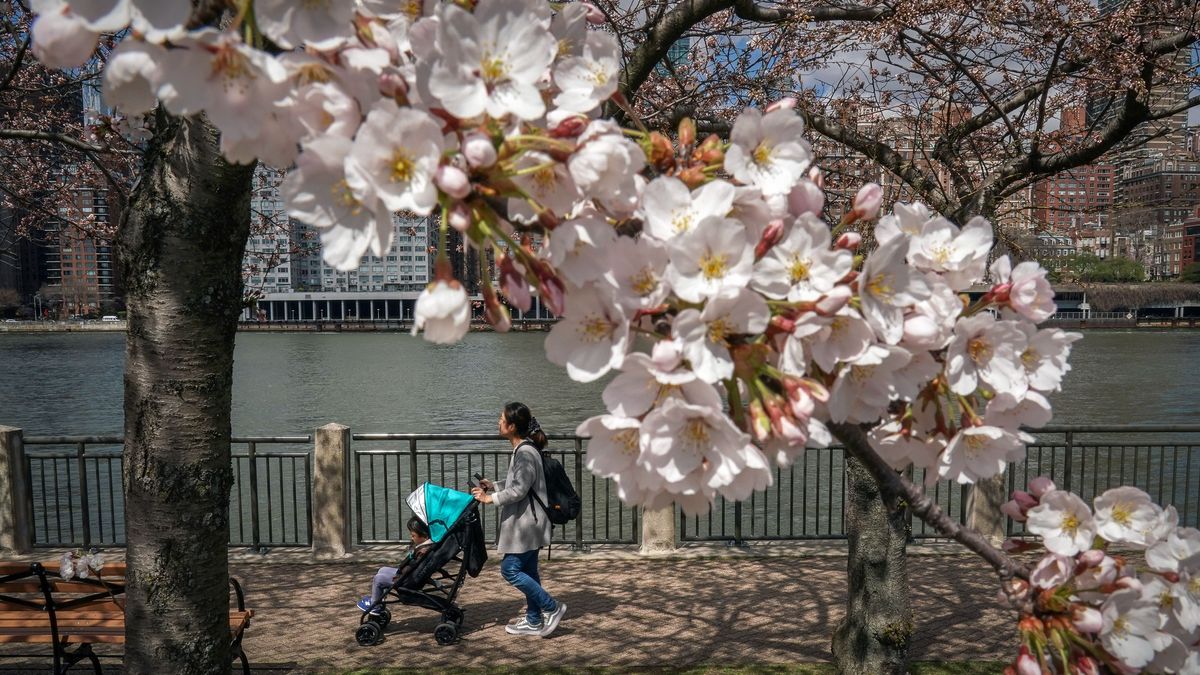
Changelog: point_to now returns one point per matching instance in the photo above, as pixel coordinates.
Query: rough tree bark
(181, 242)
(876, 632)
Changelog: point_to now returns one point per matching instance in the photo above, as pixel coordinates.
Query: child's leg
(381, 583)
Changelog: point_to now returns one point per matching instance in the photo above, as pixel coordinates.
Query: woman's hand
(486, 485)
(480, 495)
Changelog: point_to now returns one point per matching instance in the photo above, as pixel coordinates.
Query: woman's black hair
(518, 415)
(417, 525)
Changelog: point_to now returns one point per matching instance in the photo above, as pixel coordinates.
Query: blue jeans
(520, 570)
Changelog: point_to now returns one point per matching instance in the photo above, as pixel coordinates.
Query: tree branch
(896, 487)
(50, 137)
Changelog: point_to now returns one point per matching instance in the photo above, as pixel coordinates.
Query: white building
(405, 267)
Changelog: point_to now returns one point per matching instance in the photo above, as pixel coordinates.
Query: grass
(916, 668)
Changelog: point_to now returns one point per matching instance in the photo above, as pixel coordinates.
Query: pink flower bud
(848, 241)
(1024, 500)
(392, 85)
(553, 293)
(1129, 582)
(868, 200)
(1027, 664)
(1013, 510)
(513, 283)
(570, 127)
(1092, 557)
(770, 237)
(834, 300)
(785, 103)
(594, 15)
(1040, 486)
(496, 313)
(1085, 665)
(453, 181)
(459, 217)
(479, 151)
(760, 424)
(806, 197)
(1086, 619)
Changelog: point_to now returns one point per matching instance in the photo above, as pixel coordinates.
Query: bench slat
(102, 630)
(116, 569)
(32, 585)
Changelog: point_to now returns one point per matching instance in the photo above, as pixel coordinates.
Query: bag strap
(533, 489)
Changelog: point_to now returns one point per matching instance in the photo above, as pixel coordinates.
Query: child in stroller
(385, 578)
(433, 573)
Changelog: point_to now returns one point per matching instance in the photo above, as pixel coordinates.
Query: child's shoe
(365, 605)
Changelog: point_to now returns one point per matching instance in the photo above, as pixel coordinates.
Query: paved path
(624, 613)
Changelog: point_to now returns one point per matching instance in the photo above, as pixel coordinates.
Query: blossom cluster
(1093, 608)
(81, 564)
(759, 322)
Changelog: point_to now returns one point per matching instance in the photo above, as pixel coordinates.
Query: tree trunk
(181, 243)
(876, 633)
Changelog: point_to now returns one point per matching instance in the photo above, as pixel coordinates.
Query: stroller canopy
(439, 507)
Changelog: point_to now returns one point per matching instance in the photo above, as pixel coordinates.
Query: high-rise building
(405, 267)
(1078, 198)
(1156, 195)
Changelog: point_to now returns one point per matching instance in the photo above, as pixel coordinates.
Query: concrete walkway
(622, 613)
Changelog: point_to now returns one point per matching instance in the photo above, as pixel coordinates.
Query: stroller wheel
(384, 617)
(446, 633)
(368, 634)
(453, 615)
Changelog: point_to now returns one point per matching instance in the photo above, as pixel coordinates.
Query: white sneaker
(553, 619)
(523, 627)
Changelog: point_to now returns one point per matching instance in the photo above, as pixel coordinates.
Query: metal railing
(1162, 460)
(76, 497)
(384, 476)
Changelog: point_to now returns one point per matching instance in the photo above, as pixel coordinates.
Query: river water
(289, 383)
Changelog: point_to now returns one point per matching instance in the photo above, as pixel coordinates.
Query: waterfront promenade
(624, 612)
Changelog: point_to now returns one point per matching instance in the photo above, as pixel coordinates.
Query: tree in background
(1191, 274)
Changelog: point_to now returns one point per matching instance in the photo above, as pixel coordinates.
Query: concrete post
(16, 520)
(331, 491)
(658, 531)
(983, 508)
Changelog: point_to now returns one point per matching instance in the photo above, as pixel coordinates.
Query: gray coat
(524, 526)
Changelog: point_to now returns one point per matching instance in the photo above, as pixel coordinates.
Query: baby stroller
(458, 550)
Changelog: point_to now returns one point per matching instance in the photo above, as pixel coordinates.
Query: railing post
(983, 508)
(737, 523)
(331, 491)
(578, 545)
(255, 532)
(16, 516)
(1068, 464)
(85, 502)
(658, 530)
(412, 465)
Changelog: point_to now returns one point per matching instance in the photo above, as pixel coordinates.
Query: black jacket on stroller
(433, 583)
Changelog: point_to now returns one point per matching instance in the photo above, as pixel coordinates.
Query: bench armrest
(241, 597)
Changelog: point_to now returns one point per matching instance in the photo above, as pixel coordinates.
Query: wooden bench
(38, 606)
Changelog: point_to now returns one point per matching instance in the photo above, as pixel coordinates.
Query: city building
(1182, 244)
(1052, 250)
(1156, 194)
(1095, 241)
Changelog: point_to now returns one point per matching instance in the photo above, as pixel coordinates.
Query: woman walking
(524, 524)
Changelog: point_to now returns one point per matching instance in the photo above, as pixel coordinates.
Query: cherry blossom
(706, 334)
(395, 156)
(887, 286)
(802, 266)
(1063, 521)
(709, 258)
(672, 210)
(442, 312)
(591, 338)
(768, 150)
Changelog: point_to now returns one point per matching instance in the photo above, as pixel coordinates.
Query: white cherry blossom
(614, 444)
(605, 164)
(579, 248)
(986, 350)
(592, 336)
(491, 60)
(709, 258)
(1179, 550)
(1126, 515)
(322, 24)
(1045, 356)
(979, 452)
(802, 267)
(959, 256)
(905, 220)
(1063, 521)
(547, 182)
(316, 193)
(395, 156)
(130, 76)
(705, 333)
(1025, 287)
(645, 383)
(671, 210)
(844, 337)
(443, 312)
(768, 150)
(887, 286)
(863, 388)
(1052, 570)
(588, 79)
(1130, 630)
(636, 270)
